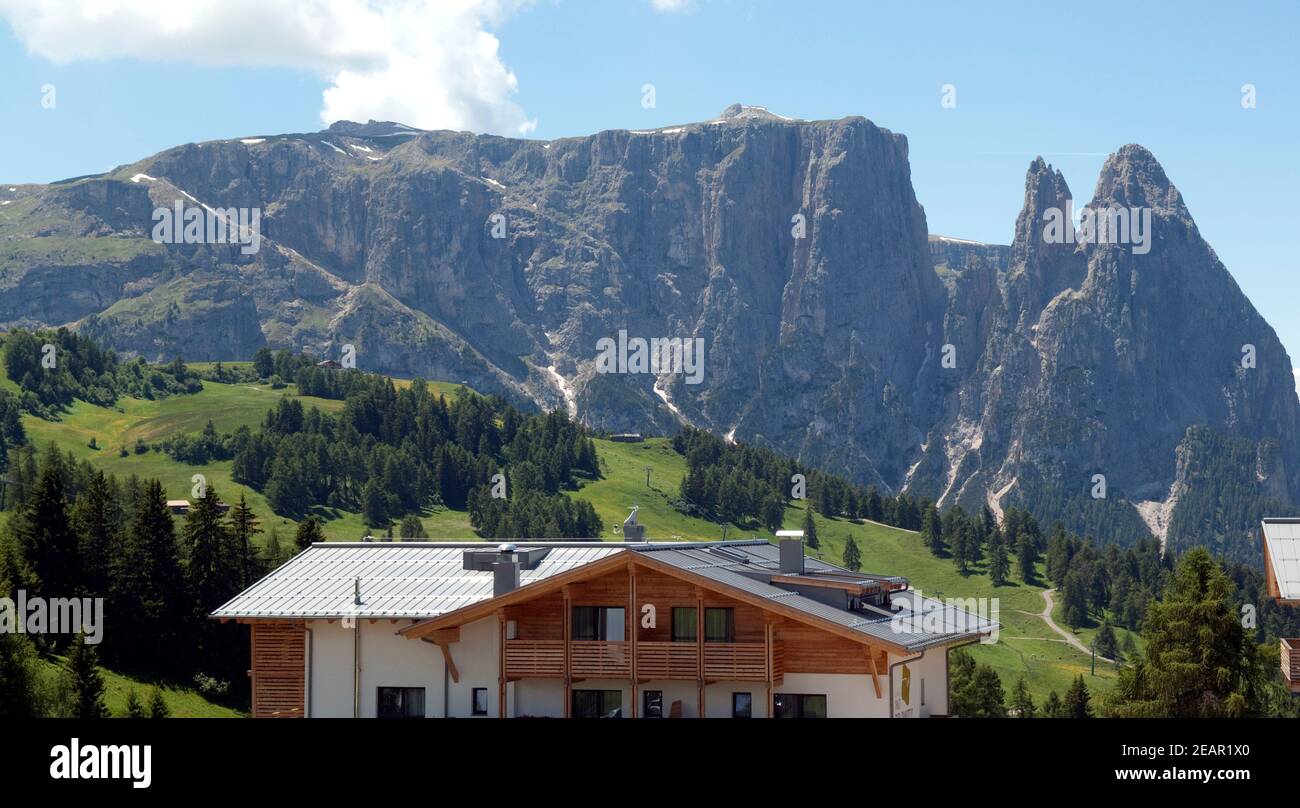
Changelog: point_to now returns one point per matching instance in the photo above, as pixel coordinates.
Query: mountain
(834, 327)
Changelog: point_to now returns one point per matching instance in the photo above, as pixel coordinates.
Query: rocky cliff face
(833, 327)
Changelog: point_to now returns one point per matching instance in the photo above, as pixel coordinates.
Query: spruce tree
(1021, 701)
(1198, 660)
(212, 573)
(852, 556)
(932, 530)
(97, 519)
(1026, 555)
(158, 705)
(1052, 708)
(19, 677)
(999, 563)
(309, 533)
(134, 708)
(1106, 644)
(412, 527)
(149, 589)
(810, 527)
(87, 684)
(44, 533)
(273, 555)
(243, 527)
(1077, 701)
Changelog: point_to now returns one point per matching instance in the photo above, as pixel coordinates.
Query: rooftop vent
(791, 544)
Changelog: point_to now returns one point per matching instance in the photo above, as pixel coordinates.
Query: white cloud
(1296, 372)
(428, 63)
(669, 5)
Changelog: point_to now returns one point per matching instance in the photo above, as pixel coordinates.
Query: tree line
(78, 533)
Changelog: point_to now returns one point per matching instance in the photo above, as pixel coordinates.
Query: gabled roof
(1282, 557)
(427, 581)
(915, 623)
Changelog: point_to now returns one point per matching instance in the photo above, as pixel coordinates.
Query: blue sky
(1070, 82)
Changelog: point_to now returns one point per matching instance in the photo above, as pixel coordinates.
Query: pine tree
(413, 528)
(374, 504)
(773, 512)
(134, 709)
(212, 571)
(273, 554)
(852, 556)
(999, 563)
(97, 519)
(149, 588)
(1052, 708)
(1105, 644)
(87, 684)
(309, 533)
(1198, 660)
(44, 533)
(810, 528)
(158, 705)
(1077, 701)
(1021, 702)
(932, 530)
(243, 527)
(19, 677)
(1026, 555)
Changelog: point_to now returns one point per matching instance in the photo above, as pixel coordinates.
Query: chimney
(631, 530)
(505, 570)
(791, 543)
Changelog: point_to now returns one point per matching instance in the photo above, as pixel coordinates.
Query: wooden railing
(1291, 663)
(735, 661)
(600, 659)
(744, 662)
(534, 658)
(667, 660)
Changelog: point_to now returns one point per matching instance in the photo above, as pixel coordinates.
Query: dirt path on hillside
(1046, 615)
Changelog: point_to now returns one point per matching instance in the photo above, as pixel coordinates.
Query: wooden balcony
(735, 661)
(655, 661)
(667, 660)
(598, 659)
(1291, 663)
(534, 659)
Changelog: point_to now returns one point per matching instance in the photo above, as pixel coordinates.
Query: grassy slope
(1026, 645)
(228, 407)
(182, 702)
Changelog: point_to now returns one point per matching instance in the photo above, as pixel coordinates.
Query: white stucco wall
(847, 695)
(477, 657)
(387, 660)
(929, 685)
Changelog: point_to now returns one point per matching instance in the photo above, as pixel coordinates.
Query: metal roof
(398, 579)
(915, 622)
(419, 580)
(1282, 538)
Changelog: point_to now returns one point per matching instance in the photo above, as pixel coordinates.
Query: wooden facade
(1291, 663)
(279, 672)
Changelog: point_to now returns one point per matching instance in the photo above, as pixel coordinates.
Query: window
(597, 704)
(742, 705)
(719, 625)
(479, 702)
(598, 622)
(401, 702)
(684, 624)
(795, 705)
(652, 704)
